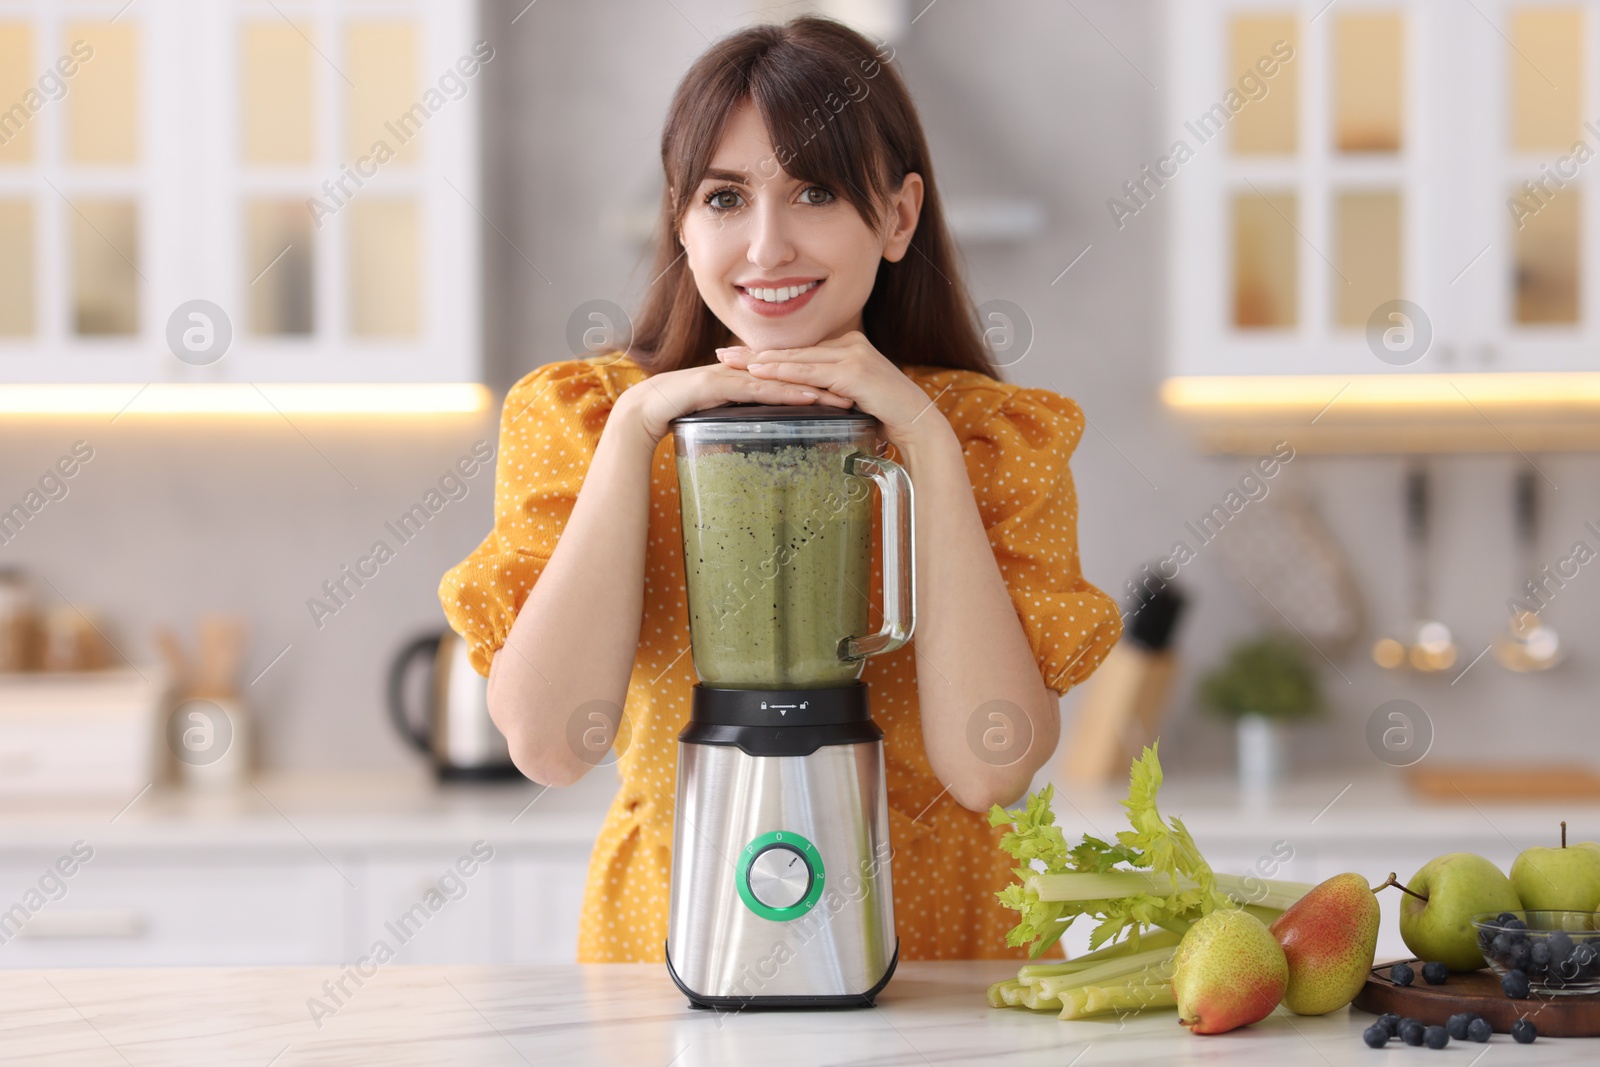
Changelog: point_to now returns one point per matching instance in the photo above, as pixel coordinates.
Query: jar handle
(899, 558)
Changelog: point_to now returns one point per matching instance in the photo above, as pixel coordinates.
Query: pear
(1558, 879)
(1436, 914)
(1328, 936)
(1229, 972)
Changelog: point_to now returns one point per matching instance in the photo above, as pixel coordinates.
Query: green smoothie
(777, 554)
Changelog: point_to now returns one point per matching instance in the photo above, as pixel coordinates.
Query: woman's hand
(660, 398)
(848, 366)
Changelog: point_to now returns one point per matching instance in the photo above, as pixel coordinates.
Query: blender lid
(775, 413)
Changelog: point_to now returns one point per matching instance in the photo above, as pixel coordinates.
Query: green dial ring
(785, 839)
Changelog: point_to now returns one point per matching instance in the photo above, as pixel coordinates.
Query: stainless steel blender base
(780, 882)
(862, 1000)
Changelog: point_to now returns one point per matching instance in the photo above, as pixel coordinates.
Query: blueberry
(1435, 973)
(1583, 956)
(1514, 923)
(1479, 1029)
(1485, 938)
(1401, 974)
(1560, 943)
(1505, 917)
(1457, 1026)
(1435, 1037)
(1390, 1022)
(1540, 953)
(1376, 1035)
(1524, 1031)
(1411, 1032)
(1501, 945)
(1515, 985)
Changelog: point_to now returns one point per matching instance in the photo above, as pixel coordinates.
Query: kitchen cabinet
(1382, 219)
(316, 874)
(546, 900)
(195, 192)
(175, 907)
(426, 911)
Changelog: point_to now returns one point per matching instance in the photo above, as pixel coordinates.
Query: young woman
(805, 260)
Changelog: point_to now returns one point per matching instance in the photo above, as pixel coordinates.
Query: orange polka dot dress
(947, 867)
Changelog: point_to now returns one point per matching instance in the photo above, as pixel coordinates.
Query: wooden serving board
(1468, 782)
(1479, 991)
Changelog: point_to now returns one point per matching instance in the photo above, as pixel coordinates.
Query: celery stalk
(1129, 996)
(1036, 999)
(1153, 939)
(1074, 886)
(1072, 1003)
(996, 996)
(1108, 971)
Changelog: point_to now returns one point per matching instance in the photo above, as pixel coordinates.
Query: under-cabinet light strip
(1569, 390)
(233, 398)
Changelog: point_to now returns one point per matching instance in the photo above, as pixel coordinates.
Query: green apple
(1441, 899)
(1558, 879)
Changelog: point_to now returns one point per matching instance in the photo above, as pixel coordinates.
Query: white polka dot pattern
(946, 864)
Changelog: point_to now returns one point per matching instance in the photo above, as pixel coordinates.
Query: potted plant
(1263, 684)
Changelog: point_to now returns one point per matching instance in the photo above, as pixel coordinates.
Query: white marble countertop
(628, 1015)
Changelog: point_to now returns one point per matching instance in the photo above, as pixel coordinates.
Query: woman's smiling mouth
(778, 300)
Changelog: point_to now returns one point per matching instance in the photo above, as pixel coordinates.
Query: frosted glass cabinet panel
(1265, 280)
(1366, 256)
(16, 61)
(105, 279)
(16, 268)
(277, 92)
(1368, 80)
(103, 105)
(1271, 124)
(1546, 76)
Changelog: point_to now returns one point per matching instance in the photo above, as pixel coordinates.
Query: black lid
(775, 413)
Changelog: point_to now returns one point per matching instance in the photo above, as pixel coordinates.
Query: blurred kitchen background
(239, 347)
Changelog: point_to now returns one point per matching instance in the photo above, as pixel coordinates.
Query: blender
(780, 859)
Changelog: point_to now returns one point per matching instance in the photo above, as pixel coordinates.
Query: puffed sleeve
(1017, 443)
(549, 427)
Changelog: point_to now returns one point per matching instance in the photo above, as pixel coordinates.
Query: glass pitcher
(777, 544)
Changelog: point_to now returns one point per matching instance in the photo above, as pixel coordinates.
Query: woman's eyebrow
(734, 176)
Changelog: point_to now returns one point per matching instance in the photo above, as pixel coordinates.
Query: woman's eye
(823, 197)
(724, 200)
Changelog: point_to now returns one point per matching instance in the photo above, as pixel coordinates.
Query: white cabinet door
(546, 899)
(164, 909)
(1323, 160)
(426, 908)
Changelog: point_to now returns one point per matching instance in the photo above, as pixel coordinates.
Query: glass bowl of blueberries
(1557, 951)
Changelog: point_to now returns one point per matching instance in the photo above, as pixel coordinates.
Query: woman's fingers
(820, 375)
(734, 385)
(739, 355)
(783, 392)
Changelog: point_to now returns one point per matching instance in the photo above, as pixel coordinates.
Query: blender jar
(777, 543)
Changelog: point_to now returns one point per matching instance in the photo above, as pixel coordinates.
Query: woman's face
(753, 233)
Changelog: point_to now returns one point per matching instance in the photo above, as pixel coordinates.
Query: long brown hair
(839, 116)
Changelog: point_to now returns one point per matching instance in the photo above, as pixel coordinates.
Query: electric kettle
(780, 892)
(455, 731)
